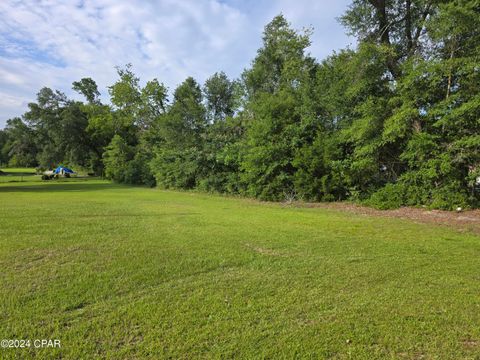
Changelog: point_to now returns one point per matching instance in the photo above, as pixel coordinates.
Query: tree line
(393, 122)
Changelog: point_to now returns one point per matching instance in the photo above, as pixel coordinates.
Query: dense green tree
(20, 148)
(153, 103)
(4, 148)
(134, 119)
(60, 127)
(178, 158)
(220, 98)
(116, 158)
(393, 122)
(221, 151)
(279, 61)
(186, 121)
(88, 88)
(76, 143)
(397, 25)
(273, 109)
(439, 96)
(125, 93)
(45, 119)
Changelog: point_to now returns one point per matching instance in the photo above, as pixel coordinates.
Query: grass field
(128, 273)
(18, 175)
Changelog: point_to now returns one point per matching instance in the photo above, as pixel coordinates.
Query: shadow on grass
(60, 187)
(26, 174)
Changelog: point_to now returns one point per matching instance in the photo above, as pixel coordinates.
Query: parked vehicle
(60, 171)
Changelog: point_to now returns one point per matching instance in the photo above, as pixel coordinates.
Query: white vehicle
(59, 171)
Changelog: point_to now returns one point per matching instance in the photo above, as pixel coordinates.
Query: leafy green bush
(447, 197)
(116, 157)
(391, 196)
(138, 171)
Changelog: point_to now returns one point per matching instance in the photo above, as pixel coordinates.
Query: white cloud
(11, 102)
(55, 42)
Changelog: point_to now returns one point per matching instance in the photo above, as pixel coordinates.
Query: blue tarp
(59, 169)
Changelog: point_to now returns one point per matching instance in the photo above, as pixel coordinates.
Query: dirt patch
(468, 220)
(471, 344)
(32, 258)
(263, 251)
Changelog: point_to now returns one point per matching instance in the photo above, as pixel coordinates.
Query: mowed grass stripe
(123, 272)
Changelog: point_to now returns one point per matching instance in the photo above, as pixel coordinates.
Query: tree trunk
(408, 26)
(449, 83)
(384, 34)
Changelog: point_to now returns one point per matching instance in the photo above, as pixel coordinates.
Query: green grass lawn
(13, 175)
(128, 273)
(18, 175)
(27, 171)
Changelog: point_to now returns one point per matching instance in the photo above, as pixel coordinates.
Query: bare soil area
(468, 220)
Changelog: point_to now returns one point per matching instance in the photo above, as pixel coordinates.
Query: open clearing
(123, 272)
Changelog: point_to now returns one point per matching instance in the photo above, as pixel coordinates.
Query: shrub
(138, 171)
(391, 196)
(40, 169)
(116, 157)
(449, 197)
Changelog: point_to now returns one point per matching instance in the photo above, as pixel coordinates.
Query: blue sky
(55, 42)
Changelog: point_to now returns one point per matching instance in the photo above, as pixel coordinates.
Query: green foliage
(177, 160)
(19, 147)
(275, 86)
(220, 97)
(280, 61)
(138, 171)
(175, 168)
(391, 196)
(116, 159)
(88, 88)
(127, 164)
(267, 163)
(125, 93)
(393, 122)
(4, 148)
(222, 152)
